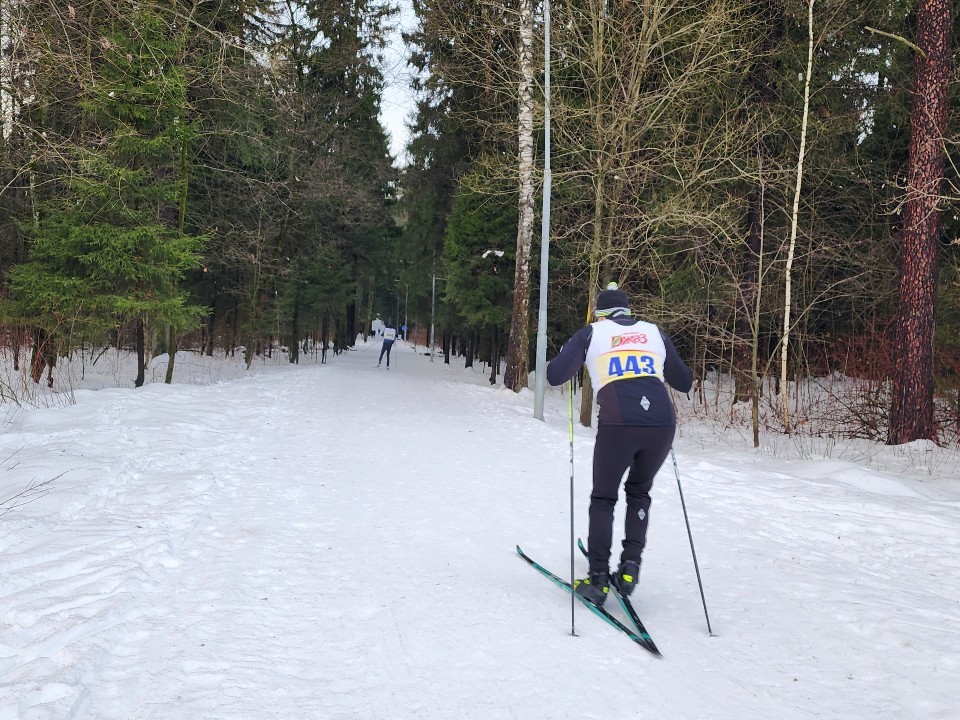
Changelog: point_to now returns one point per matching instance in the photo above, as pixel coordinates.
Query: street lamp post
(540, 384)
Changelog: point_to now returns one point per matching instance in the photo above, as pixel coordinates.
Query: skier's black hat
(612, 302)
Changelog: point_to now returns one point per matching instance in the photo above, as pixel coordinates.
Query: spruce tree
(106, 253)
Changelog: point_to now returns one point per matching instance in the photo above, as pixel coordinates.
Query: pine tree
(911, 413)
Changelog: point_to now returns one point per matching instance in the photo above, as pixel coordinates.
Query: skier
(628, 361)
(389, 336)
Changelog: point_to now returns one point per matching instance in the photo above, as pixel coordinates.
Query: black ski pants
(642, 450)
(387, 344)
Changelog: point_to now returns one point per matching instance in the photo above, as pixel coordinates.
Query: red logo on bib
(630, 339)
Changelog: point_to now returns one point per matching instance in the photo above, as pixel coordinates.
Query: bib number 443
(621, 365)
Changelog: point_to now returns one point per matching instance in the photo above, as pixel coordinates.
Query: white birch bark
(515, 376)
(793, 222)
(6, 74)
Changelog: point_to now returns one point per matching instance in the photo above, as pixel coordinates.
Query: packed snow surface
(338, 541)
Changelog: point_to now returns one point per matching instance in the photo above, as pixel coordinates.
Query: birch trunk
(793, 223)
(518, 344)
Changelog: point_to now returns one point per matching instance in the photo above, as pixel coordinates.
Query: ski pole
(573, 600)
(690, 535)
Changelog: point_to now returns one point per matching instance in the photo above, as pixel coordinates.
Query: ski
(625, 604)
(641, 638)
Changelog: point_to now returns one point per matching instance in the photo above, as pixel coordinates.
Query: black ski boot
(594, 587)
(626, 576)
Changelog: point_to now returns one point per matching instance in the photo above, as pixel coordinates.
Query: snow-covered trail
(338, 542)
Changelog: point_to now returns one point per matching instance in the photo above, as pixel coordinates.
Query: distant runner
(389, 337)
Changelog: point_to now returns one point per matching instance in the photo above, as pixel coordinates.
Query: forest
(771, 182)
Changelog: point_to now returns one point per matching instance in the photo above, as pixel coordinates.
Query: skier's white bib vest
(389, 334)
(619, 352)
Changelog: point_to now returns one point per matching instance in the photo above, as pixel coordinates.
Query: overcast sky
(397, 104)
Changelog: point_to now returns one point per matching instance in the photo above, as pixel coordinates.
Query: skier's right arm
(571, 358)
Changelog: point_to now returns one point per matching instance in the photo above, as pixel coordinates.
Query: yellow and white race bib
(619, 352)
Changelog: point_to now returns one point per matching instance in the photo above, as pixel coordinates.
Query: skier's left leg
(655, 445)
(612, 455)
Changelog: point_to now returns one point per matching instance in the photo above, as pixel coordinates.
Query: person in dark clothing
(628, 360)
(389, 337)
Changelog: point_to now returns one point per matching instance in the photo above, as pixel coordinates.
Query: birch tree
(518, 345)
(788, 279)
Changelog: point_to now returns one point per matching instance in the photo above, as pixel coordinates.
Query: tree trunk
(749, 267)
(181, 223)
(494, 356)
(234, 329)
(911, 411)
(597, 257)
(794, 221)
(141, 355)
(293, 343)
(43, 356)
(353, 314)
(586, 392)
(17, 340)
(765, 93)
(516, 371)
(368, 320)
(211, 322)
(171, 354)
(755, 378)
(324, 336)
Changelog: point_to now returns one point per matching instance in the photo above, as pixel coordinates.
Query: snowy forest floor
(337, 542)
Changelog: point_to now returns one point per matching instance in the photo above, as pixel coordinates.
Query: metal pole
(433, 303)
(690, 535)
(540, 383)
